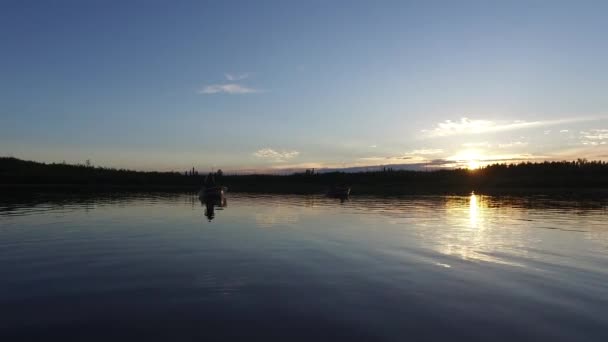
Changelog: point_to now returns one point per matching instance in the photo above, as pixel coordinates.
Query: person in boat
(210, 180)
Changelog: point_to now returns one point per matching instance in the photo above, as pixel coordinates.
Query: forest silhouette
(579, 175)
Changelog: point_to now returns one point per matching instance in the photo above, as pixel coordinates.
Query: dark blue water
(154, 268)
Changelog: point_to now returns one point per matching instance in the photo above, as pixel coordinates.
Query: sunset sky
(260, 85)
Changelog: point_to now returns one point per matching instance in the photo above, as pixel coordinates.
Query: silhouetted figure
(210, 180)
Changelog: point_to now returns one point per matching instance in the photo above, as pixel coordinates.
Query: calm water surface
(154, 267)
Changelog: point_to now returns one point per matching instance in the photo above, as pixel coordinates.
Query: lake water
(154, 267)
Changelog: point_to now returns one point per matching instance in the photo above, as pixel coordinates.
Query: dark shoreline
(580, 178)
(307, 189)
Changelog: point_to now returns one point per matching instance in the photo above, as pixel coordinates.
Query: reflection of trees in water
(310, 201)
(12, 202)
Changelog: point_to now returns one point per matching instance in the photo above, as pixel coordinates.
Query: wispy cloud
(275, 156)
(477, 144)
(473, 126)
(385, 160)
(513, 144)
(463, 158)
(229, 88)
(594, 137)
(237, 77)
(426, 151)
(415, 156)
(458, 160)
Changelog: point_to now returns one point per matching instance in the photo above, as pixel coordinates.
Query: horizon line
(416, 167)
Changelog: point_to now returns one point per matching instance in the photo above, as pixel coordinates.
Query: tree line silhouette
(579, 174)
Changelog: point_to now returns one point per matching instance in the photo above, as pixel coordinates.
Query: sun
(473, 164)
(469, 159)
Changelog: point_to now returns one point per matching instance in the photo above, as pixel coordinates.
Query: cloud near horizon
(410, 163)
(275, 156)
(513, 144)
(468, 126)
(594, 137)
(477, 144)
(426, 151)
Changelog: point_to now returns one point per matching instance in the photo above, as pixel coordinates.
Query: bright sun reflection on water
(471, 235)
(473, 211)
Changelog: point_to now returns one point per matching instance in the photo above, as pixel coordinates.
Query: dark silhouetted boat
(213, 193)
(339, 192)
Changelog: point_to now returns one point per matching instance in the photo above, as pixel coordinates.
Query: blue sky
(256, 85)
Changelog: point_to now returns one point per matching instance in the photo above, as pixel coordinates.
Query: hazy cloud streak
(426, 151)
(275, 156)
(469, 126)
(513, 144)
(594, 137)
(237, 77)
(230, 88)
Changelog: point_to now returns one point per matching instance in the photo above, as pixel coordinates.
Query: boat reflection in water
(212, 196)
(211, 203)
